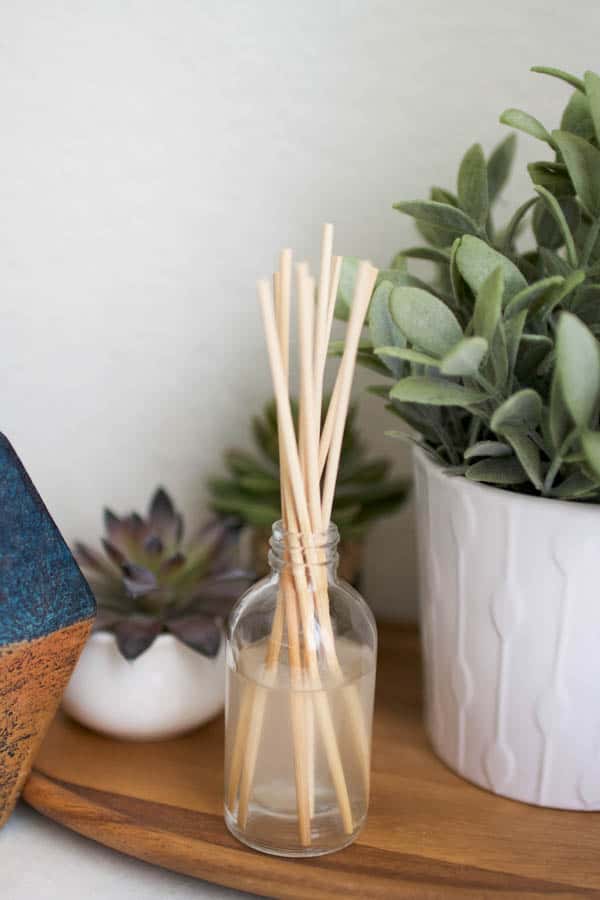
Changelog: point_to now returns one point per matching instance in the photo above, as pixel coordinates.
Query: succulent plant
(495, 362)
(147, 582)
(250, 494)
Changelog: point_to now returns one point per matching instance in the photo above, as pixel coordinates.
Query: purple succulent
(146, 582)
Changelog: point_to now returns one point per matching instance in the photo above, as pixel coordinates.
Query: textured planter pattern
(510, 615)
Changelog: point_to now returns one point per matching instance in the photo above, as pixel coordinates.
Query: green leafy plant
(496, 362)
(250, 492)
(146, 582)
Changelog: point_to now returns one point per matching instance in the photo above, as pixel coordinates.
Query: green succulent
(147, 581)
(495, 361)
(250, 492)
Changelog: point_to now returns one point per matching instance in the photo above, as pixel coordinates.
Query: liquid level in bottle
(272, 822)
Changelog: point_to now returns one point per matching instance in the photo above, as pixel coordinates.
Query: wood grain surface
(429, 833)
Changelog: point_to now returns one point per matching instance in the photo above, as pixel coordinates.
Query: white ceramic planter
(510, 615)
(168, 690)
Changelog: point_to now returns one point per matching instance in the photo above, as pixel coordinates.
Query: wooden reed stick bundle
(303, 605)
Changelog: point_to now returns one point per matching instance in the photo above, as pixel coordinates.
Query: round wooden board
(429, 833)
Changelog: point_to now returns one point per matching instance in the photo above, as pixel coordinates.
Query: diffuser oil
(271, 822)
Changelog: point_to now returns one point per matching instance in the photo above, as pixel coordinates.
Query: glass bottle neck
(292, 548)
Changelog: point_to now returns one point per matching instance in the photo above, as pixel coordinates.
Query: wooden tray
(429, 834)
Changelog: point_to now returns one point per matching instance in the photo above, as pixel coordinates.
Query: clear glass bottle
(301, 659)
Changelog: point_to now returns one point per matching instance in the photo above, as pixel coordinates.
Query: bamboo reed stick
(365, 282)
(306, 513)
(282, 290)
(303, 593)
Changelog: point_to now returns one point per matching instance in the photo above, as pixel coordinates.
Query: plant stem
(557, 463)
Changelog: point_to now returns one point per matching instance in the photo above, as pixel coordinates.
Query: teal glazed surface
(41, 586)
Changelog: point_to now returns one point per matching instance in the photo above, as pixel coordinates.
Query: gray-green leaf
(559, 422)
(465, 357)
(443, 216)
(476, 260)
(583, 163)
(473, 185)
(577, 117)
(424, 320)
(499, 165)
(408, 355)
(592, 90)
(503, 471)
(435, 391)
(522, 121)
(527, 453)
(521, 410)
(487, 448)
(343, 302)
(562, 76)
(524, 298)
(578, 366)
(382, 328)
(559, 217)
(590, 441)
(488, 305)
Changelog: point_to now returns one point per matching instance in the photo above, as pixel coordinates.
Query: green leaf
(521, 410)
(513, 329)
(499, 165)
(578, 367)
(473, 185)
(583, 164)
(382, 328)
(433, 254)
(559, 422)
(488, 305)
(503, 471)
(557, 294)
(465, 358)
(522, 121)
(575, 486)
(408, 355)
(553, 176)
(487, 448)
(512, 228)
(499, 357)
(526, 297)
(476, 260)
(577, 117)
(563, 76)
(553, 264)
(533, 350)
(435, 391)
(592, 90)
(527, 453)
(559, 217)
(449, 219)
(424, 320)
(590, 442)
(343, 302)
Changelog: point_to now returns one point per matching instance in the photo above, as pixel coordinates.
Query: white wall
(154, 156)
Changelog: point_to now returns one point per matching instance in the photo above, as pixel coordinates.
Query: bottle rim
(298, 540)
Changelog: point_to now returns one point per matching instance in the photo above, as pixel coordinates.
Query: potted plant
(496, 365)
(249, 496)
(154, 664)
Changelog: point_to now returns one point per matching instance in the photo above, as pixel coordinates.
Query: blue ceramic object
(46, 612)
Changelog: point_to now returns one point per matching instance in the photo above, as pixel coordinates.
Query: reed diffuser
(301, 645)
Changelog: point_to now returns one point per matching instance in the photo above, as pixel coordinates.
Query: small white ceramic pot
(510, 615)
(168, 690)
